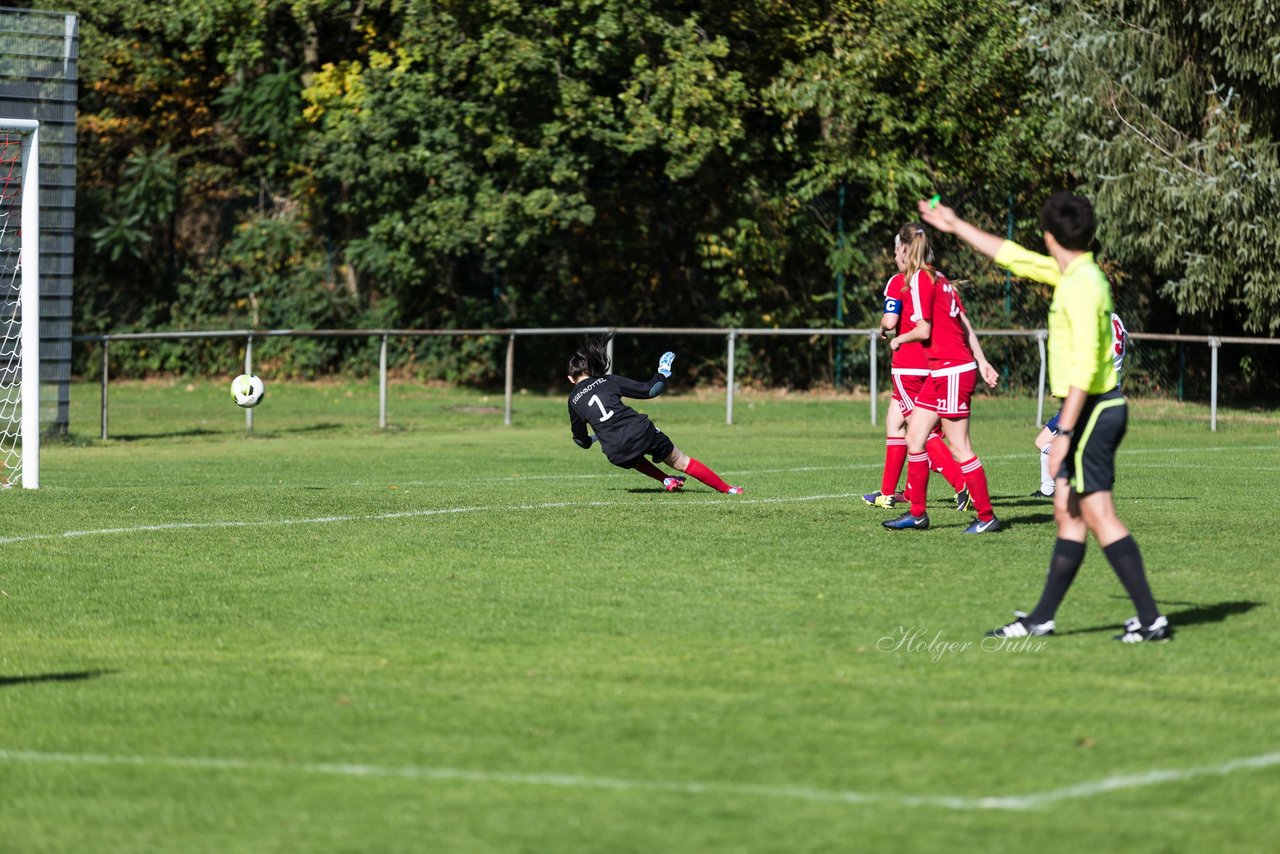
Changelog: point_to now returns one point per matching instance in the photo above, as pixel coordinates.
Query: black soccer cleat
(963, 501)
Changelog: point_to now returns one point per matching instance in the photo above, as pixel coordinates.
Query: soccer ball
(247, 391)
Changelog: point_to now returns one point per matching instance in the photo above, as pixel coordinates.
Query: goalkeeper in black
(627, 436)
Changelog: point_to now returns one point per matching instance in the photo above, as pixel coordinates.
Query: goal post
(20, 302)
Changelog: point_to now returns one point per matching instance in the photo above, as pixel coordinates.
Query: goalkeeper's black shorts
(660, 447)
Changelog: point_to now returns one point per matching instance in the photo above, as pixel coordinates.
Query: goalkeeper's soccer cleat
(1135, 632)
(734, 490)
(963, 501)
(879, 499)
(907, 522)
(673, 484)
(1020, 628)
(664, 363)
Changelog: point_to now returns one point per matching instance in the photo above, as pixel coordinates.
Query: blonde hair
(918, 249)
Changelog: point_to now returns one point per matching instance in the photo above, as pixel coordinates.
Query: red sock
(646, 467)
(975, 477)
(942, 461)
(706, 475)
(918, 481)
(895, 456)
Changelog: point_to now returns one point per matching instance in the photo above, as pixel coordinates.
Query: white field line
(1031, 454)
(1249, 469)
(412, 514)
(622, 473)
(405, 514)
(804, 793)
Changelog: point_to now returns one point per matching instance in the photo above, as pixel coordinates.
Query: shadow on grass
(1047, 502)
(1007, 522)
(1194, 616)
(133, 437)
(201, 431)
(70, 676)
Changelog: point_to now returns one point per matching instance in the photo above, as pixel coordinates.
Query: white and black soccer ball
(247, 391)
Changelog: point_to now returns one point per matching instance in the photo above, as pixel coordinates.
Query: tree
(898, 99)
(1168, 115)
(505, 141)
(504, 162)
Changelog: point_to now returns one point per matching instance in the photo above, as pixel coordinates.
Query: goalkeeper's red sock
(706, 475)
(646, 467)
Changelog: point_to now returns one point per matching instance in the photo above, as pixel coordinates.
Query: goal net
(19, 304)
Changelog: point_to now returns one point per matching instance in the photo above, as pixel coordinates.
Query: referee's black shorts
(1090, 465)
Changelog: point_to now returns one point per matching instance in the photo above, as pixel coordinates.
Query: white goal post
(20, 302)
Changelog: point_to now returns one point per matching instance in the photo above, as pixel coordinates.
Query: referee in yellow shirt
(1094, 413)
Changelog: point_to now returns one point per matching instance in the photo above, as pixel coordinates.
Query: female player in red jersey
(627, 436)
(955, 362)
(910, 369)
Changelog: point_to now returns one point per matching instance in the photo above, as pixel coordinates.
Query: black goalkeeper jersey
(623, 433)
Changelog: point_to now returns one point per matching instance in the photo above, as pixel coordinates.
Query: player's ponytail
(592, 358)
(917, 249)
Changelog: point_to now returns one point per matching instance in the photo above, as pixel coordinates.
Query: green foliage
(141, 208)
(600, 162)
(1169, 120)
(266, 112)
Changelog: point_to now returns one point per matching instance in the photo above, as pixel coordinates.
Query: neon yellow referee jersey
(1079, 318)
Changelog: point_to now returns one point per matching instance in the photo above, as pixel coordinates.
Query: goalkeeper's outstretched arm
(655, 386)
(642, 390)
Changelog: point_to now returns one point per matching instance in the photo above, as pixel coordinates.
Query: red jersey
(905, 302)
(940, 305)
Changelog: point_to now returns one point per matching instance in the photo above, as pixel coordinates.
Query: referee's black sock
(1126, 560)
(1063, 566)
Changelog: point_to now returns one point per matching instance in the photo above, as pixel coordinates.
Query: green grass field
(458, 636)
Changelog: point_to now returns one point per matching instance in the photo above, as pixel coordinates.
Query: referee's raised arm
(1016, 259)
(945, 219)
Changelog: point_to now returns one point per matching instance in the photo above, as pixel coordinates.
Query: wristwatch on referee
(1068, 432)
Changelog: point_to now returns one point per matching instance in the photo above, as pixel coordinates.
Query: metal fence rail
(731, 336)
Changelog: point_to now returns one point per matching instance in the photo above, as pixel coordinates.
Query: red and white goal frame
(20, 303)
